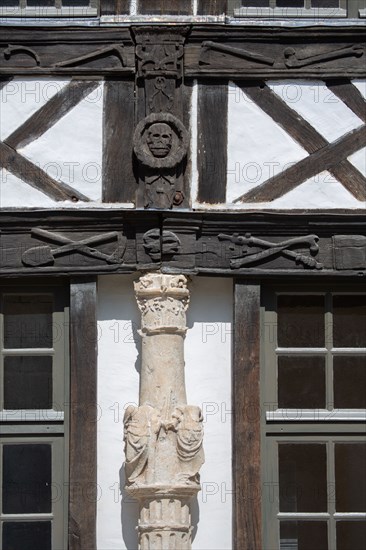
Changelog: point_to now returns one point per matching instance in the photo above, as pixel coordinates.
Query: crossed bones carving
(272, 249)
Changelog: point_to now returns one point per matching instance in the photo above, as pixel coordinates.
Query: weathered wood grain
(114, 7)
(21, 167)
(212, 141)
(57, 107)
(246, 417)
(350, 95)
(83, 414)
(119, 183)
(325, 158)
(211, 7)
(302, 132)
(165, 7)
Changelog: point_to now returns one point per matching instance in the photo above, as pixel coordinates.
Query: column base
(165, 518)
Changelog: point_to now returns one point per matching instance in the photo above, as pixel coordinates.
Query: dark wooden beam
(83, 414)
(211, 7)
(212, 141)
(302, 132)
(324, 159)
(114, 7)
(247, 522)
(119, 182)
(350, 95)
(165, 7)
(24, 169)
(4, 82)
(57, 107)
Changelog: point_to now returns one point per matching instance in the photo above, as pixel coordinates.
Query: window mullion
(329, 400)
(331, 495)
(1, 357)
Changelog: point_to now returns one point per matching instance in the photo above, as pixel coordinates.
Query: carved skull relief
(159, 139)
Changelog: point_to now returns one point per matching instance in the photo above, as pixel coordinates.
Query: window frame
(280, 426)
(50, 11)
(348, 9)
(42, 426)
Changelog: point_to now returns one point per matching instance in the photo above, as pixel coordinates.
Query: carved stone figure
(141, 426)
(189, 430)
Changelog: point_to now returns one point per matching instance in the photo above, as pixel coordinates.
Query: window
(314, 444)
(300, 8)
(34, 386)
(48, 8)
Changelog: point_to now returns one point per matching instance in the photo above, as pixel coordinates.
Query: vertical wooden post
(246, 418)
(83, 414)
(119, 183)
(212, 140)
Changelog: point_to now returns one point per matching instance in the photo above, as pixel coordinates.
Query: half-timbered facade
(182, 196)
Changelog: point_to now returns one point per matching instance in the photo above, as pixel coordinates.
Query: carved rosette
(163, 435)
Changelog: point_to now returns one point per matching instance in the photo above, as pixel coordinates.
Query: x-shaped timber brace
(161, 58)
(322, 155)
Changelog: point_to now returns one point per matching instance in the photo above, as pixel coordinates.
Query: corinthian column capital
(163, 301)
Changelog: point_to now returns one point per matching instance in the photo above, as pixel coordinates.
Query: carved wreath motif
(160, 141)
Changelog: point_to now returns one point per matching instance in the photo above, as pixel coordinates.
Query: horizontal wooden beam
(211, 7)
(114, 7)
(165, 7)
(102, 241)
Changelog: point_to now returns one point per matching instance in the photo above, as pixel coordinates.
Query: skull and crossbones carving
(159, 139)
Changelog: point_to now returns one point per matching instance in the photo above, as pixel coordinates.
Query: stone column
(163, 435)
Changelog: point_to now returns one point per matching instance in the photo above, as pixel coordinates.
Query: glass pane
(26, 479)
(255, 3)
(303, 477)
(349, 321)
(350, 477)
(325, 3)
(9, 3)
(290, 3)
(301, 382)
(351, 535)
(28, 322)
(303, 535)
(75, 3)
(40, 3)
(301, 321)
(350, 382)
(28, 382)
(27, 535)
